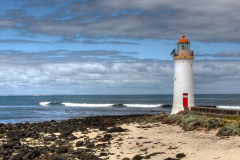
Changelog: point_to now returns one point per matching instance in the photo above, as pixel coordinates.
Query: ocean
(20, 109)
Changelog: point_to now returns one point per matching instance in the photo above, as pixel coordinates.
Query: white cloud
(103, 71)
(103, 76)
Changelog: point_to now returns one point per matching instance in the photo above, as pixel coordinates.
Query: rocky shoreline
(86, 139)
(59, 140)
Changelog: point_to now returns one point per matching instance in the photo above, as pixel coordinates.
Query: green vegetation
(213, 123)
(190, 122)
(229, 130)
(229, 125)
(172, 118)
(158, 117)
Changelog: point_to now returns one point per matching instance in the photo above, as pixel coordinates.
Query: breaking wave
(229, 107)
(144, 105)
(67, 104)
(49, 103)
(86, 105)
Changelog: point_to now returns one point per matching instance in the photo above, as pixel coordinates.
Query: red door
(185, 100)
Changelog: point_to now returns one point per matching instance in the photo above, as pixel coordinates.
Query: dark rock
(13, 135)
(180, 155)
(107, 137)
(144, 149)
(62, 150)
(87, 150)
(53, 148)
(54, 128)
(26, 156)
(58, 157)
(18, 156)
(103, 128)
(137, 157)
(116, 129)
(169, 158)
(82, 128)
(103, 154)
(60, 142)
(44, 150)
(49, 138)
(90, 145)
(79, 143)
(126, 158)
(10, 144)
(78, 151)
(16, 147)
(34, 154)
(90, 156)
(32, 134)
(65, 134)
(72, 137)
(153, 154)
(101, 145)
(2, 130)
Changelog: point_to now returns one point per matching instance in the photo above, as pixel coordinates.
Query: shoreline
(114, 137)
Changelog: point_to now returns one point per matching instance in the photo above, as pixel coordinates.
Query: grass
(229, 125)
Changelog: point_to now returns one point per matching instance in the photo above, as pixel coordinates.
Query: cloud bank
(101, 75)
(208, 21)
(89, 46)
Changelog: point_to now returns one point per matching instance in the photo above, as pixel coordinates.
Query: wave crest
(144, 105)
(68, 104)
(86, 105)
(49, 103)
(229, 107)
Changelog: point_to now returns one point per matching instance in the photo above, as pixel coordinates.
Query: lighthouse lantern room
(183, 94)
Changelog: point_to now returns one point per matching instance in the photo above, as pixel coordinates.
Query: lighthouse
(183, 94)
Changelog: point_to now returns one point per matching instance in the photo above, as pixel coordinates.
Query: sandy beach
(131, 137)
(164, 141)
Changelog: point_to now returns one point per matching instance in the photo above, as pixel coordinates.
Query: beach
(164, 141)
(133, 137)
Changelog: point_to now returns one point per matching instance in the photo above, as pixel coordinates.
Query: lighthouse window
(183, 46)
(187, 46)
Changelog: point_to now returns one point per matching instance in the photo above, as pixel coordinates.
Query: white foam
(229, 107)
(144, 105)
(102, 105)
(86, 105)
(44, 103)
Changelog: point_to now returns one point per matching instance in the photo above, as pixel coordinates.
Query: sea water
(20, 109)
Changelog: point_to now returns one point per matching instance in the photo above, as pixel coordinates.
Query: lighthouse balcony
(185, 53)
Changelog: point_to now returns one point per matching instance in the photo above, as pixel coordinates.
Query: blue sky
(116, 47)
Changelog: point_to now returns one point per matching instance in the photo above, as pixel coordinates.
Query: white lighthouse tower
(183, 96)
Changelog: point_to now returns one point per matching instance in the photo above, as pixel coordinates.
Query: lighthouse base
(178, 108)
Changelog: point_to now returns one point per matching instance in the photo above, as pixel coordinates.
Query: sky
(97, 47)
